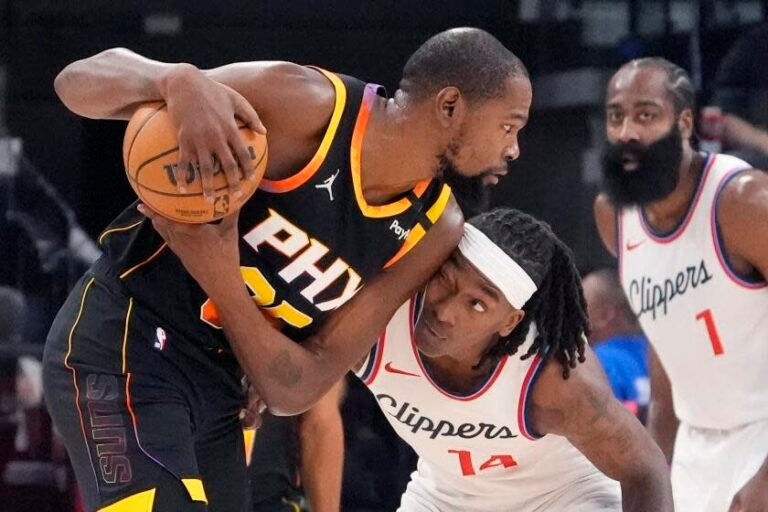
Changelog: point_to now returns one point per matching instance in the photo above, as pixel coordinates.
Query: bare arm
(605, 219)
(293, 101)
(111, 84)
(321, 440)
(662, 422)
(288, 376)
(742, 134)
(583, 409)
(743, 215)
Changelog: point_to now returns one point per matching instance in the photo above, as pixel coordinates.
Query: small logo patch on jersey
(328, 184)
(391, 369)
(399, 230)
(632, 246)
(160, 338)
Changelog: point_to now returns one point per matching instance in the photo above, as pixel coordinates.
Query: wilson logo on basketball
(191, 174)
(151, 155)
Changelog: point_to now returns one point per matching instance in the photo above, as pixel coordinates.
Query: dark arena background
(61, 178)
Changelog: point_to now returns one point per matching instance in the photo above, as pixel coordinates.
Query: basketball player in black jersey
(140, 378)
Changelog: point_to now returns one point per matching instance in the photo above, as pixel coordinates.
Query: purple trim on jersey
(717, 238)
(665, 238)
(135, 423)
(523, 409)
(620, 241)
(418, 302)
(374, 361)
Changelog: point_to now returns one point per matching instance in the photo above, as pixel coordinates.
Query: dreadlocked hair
(557, 308)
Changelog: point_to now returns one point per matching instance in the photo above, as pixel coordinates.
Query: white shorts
(596, 493)
(710, 466)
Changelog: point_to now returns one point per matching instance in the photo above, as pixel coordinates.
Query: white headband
(496, 265)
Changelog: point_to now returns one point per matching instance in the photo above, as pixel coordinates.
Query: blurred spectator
(42, 248)
(11, 317)
(741, 91)
(618, 340)
(745, 140)
(43, 252)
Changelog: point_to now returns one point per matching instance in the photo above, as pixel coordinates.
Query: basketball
(150, 151)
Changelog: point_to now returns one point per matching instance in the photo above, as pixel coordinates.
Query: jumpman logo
(328, 183)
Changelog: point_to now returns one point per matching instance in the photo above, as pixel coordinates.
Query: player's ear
(512, 321)
(450, 107)
(685, 123)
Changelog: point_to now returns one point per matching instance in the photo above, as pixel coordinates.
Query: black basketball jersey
(308, 242)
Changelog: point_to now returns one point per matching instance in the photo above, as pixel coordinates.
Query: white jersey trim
(666, 238)
(523, 416)
(418, 302)
(717, 239)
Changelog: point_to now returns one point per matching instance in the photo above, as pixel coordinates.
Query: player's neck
(458, 375)
(665, 215)
(393, 158)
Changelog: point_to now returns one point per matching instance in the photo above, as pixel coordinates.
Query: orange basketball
(150, 149)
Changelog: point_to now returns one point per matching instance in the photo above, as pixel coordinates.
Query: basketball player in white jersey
(498, 431)
(691, 233)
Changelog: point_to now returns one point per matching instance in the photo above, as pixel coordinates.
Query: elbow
(64, 80)
(287, 402)
(286, 406)
(76, 80)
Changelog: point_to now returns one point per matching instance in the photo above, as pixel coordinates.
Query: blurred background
(61, 181)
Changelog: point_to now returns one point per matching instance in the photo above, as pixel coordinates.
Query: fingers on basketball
(190, 184)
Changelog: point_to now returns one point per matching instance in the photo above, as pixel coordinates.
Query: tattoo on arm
(284, 370)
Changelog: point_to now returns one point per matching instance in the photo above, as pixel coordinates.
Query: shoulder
(447, 228)
(273, 87)
(605, 220)
(742, 211)
(743, 205)
(746, 192)
(556, 401)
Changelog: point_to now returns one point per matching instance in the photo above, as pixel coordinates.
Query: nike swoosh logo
(632, 247)
(391, 369)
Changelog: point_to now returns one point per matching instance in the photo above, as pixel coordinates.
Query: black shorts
(150, 420)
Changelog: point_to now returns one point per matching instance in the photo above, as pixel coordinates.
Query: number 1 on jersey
(714, 336)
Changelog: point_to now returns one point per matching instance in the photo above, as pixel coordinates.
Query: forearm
(292, 377)
(750, 137)
(649, 492)
(109, 84)
(289, 377)
(322, 464)
(663, 425)
(758, 141)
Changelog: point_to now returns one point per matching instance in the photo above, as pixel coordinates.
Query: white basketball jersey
(479, 448)
(708, 326)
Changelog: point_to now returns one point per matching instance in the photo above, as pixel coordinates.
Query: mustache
(656, 174)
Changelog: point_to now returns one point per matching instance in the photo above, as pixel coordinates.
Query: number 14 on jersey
(469, 466)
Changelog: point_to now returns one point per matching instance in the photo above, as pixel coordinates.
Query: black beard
(470, 192)
(657, 173)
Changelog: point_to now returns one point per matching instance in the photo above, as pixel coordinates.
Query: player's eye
(478, 306)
